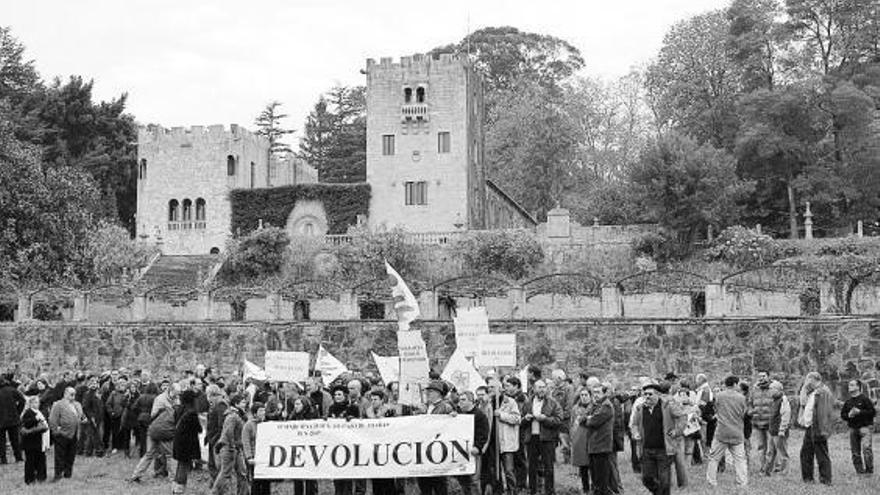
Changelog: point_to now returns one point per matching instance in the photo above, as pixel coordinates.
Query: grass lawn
(105, 476)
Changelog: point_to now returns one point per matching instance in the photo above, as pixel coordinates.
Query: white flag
(524, 379)
(462, 373)
(253, 371)
(389, 367)
(405, 303)
(329, 366)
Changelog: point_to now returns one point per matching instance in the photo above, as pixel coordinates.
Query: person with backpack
(160, 434)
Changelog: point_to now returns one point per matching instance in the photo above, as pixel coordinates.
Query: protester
(93, 408)
(249, 447)
(654, 425)
(858, 412)
(342, 408)
(730, 407)
(541, 419)
(229, 449)
(563, 394)
(64, 422)
(185, 448)
(816, 416)
(11, 405)
(580, 455)
(160, 435)
(140, 410)
(436, 404)
(34, 441)
(780, 422)
(600, 439)
(760, 400)
(216, 413)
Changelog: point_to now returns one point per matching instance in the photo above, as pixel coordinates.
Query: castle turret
(425, 143)
(184, 179)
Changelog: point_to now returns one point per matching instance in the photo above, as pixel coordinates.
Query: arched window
(407, 95)
(173, 211)
(230, 165)
(253, 174)
(420, 95)
(187, 210)
(200, 210)
(215, 250)
(142, 169)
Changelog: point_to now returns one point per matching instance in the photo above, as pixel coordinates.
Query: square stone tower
(184, 179)
(425, 144)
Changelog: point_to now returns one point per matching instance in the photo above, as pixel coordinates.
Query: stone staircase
(180, 271)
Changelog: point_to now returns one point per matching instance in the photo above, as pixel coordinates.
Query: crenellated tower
(184, 179)
(425, 144)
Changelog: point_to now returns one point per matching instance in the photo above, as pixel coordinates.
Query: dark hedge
(342, 202)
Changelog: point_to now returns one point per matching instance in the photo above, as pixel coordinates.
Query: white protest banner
(405, 304)
(284, 366)
(470, 323)
(413, 366)
(253, 371)
(462, 373)
(496, 349)
(402, 447)
(389, 367)
(329, 366)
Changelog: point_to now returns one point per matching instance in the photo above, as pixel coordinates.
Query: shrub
(660, 246)
(364, 257)
(511, 253)
(744, 248)
(254, 258)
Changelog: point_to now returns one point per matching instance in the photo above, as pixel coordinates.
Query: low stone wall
(840, 348)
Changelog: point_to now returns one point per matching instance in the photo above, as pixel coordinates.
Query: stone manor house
(425, 165)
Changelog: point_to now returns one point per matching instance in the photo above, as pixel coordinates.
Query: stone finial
(808, 222)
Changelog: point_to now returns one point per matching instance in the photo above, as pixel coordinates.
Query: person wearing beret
(655, 425)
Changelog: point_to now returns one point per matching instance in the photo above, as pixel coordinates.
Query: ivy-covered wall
(342, 202)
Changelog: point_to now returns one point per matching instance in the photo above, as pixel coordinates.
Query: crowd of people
(521, 431)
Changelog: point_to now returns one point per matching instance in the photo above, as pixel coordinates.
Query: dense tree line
(67, 178)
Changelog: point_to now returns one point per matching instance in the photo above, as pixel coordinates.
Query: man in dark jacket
(858, 412)
(11, 405)
(467, 405)
(600, 439)
(93, 408)
(541, 419)
(436, 404)
(216, 413)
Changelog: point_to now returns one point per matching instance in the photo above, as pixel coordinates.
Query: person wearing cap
(542, 416)
(731, 408)
(655, 424)
(435, 404)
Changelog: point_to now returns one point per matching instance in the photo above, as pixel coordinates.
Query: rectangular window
(416, 193)
(443, 142)
(388, 144)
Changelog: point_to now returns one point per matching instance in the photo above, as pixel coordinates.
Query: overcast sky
(209, 62)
